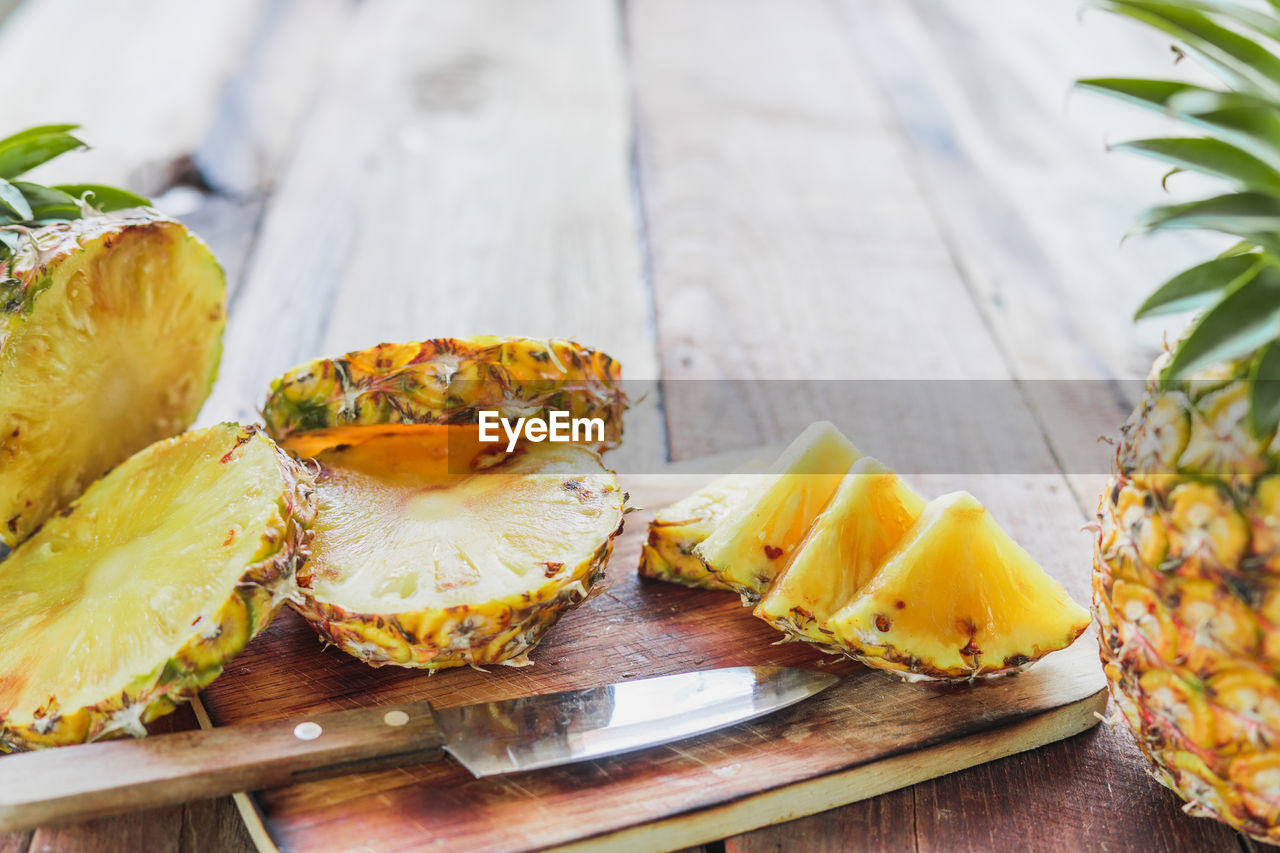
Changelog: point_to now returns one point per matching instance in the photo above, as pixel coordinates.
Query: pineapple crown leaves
(25, 205)
(1238, 142)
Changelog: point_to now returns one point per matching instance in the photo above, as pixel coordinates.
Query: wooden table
(705, 188)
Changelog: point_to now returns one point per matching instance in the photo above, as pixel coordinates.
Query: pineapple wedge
(759, 535)
(869, 514)
(136, 596)
(419, 566)
(114, 321)
(957, 599)
(676, 530)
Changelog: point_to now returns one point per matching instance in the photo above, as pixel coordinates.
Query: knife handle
(108, 777)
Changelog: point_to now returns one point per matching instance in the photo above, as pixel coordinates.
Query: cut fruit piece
(447, 381)
(956, 599)
(847, 544)
(137, 595)
(677, 529)
(417, 566)
(113, 321)
(759, 535)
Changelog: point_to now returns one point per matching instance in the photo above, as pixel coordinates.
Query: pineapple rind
(448, 381)
(676, 530)
(500, 631)
(263, 587)
(27, 280)
(1186, 594)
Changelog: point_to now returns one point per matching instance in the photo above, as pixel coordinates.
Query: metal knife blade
(108, 777)
(563, 728)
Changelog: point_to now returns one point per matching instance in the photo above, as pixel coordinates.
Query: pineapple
(444, 381)
(667, 553)
(138, 593)
(109, 319)
(871, 511)
(1187, 565)
(956, 598)
(759, 535)
(433, 549)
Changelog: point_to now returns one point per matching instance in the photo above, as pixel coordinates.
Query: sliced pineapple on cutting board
(138, 594)
(434, 549)
(667, 553)
(759, 535)
(417, 566)
(845, 547)
(957, 598)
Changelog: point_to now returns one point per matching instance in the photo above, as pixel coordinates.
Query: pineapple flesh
(419, 566)
(111, 321)
(957, 599)
(136, 596)
(667, 553)
(759, 535)
(434, 549)
(871, 511)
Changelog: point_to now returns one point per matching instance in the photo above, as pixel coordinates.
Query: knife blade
(109, 777)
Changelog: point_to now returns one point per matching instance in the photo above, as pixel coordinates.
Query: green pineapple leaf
(12, 200)
(1247, 318)
(1240, 61)
(1264, 391)
(48, 203)
(1211, 157)
(1198, 286)
(1252, 216)
(103, 198)
(26, 150)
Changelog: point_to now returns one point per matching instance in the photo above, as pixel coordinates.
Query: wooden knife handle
(80, 782)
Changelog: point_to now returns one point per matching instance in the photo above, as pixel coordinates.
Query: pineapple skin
(33, 268)
(265, 585)
(447, 381)
(1186, 594)
(667, 553)
(500, 631)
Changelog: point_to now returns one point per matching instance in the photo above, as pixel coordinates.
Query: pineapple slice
(956, 599)
(417, 564)
(676, 530)
(445, 381)
(759, 535)
(114, 321)
(869, 514)
(135, 596)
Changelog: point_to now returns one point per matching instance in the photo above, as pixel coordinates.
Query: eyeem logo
(558, 426)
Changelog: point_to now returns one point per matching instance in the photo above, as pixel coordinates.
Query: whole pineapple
(1187, 564)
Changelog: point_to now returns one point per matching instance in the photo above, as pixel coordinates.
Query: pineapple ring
(115, 322)
(137, 595)
(419, 566)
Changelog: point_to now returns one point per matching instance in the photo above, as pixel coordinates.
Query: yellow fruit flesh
(125, 339)
(870, 513)
(109, 592)
(760, 534)
(400, 536)
(958, 598)
(677, 529)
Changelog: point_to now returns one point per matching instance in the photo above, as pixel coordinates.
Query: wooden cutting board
(869, 734)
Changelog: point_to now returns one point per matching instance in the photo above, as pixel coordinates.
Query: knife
(97, 779)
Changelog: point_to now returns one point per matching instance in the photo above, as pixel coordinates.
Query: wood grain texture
(633, 629)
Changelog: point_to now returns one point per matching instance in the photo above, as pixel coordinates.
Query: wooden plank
(878, 826)
(834, 748)
(475, 181)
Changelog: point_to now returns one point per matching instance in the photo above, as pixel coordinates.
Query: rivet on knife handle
(79, 782)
